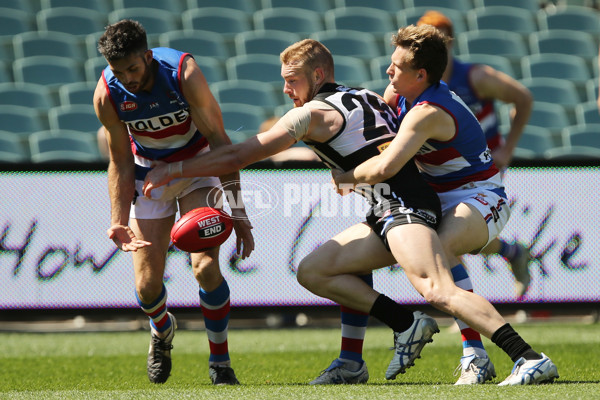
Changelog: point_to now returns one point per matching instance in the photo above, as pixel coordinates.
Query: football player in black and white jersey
(346, 126)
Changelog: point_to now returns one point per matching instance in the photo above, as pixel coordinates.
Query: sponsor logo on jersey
(157, 123)
(128, 106)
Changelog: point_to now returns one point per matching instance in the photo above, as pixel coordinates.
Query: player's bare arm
(207, 117)
(420, 124)
(489, 83)
(121, 177)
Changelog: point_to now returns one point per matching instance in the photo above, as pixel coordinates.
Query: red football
(201, 229)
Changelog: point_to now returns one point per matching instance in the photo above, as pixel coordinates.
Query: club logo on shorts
(480, 198)
(427, 215)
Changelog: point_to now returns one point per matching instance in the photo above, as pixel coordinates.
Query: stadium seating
(34, 43)
(103, 6)
(572, 153)
(5, 53)
(154, 22)
(524, 154)
(242, 117)
(223, 36)
(459, 5)
(241, 5)
(296, 20)
(362, 19)
(77, 93)
(376, 85)
(554, 90)
(247, 92)
(52, 71)
(582, 135)
(75, 117)
(563, 41)
(550, 116)
(391, 6)
(408, 16)
(259, 67)
(495, 42)
(264, 42)
(198, 43)
(93, 68)
(13, 22)
(63, 146)
(379, 65)
(499, 63)
(74, 20)
(171, 6)
(350, 71)
(19, 5)
(5, 74)
(560, 66)
(591, 88)
(224, 21)
(536, 139)
(587, 113)
(507, 18)
(90, 42)
(583, 19)
(319, 6)
(12, 149)
(529, 5)
(212, 68)
(21, 119)
(349, 43)
(26, 94)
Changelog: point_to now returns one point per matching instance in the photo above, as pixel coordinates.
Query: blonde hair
(309, 54)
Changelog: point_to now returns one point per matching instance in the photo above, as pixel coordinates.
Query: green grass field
(277, 364)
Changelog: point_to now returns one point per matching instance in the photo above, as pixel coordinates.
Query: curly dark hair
(122, 39)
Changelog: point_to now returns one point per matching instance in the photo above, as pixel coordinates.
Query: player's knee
(148, 290)
(307, 275)
(437, 297)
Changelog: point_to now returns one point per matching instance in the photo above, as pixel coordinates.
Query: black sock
(513, 344)
(392, 314)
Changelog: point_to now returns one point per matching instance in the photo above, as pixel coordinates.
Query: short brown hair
(309, 54)
(426, 49)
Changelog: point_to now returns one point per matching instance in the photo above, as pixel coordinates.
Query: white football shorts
(491, 202)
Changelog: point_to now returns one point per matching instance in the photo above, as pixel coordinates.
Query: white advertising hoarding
(54, 252)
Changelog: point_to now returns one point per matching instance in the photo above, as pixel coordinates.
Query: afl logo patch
(128, 106)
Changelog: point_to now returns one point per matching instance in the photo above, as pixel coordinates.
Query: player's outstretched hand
(341, 188)
(244, 242)
(125, 239)
(160, 174)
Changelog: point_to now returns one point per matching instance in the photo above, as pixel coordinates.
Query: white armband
(296, 122)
